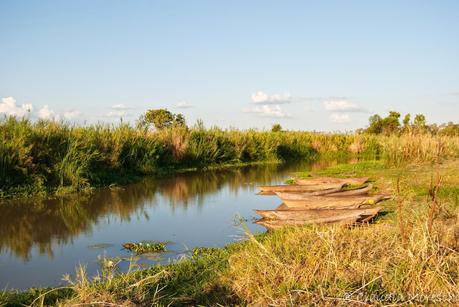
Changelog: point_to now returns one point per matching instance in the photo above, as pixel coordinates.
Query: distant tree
(391, 123)
(387, 125)
(179, 120)
(420, 121)
(375, 126)
(276, 128)
(161, 118)
(406, 123)
(406, 120)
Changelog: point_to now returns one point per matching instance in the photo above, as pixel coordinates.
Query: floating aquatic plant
(145, 247)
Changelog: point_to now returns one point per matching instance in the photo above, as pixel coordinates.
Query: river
(41, 240)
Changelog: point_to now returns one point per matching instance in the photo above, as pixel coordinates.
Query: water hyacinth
(145, 247)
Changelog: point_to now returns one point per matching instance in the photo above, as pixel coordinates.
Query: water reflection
(45, 225)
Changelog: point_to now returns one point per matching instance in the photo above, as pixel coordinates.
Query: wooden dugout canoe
(265, 193)
(331, 180)
(356, 206)
(318, 215)
(329, 192)
(300, 188)
(331, 202)
(315, 193)
(276, 224)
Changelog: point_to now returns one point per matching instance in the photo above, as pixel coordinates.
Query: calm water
(41, 240)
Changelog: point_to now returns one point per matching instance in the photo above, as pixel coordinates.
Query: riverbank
(50, 158)
(410, 254)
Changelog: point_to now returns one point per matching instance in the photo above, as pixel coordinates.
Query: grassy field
(409, 255)
(45, 157)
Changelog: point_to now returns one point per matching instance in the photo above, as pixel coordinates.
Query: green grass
(189, 281)
(43, 158)
(399, 259)
(48, 157)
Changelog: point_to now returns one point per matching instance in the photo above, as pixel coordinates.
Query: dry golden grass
(382, 263)
(316, 265)
(419, 148)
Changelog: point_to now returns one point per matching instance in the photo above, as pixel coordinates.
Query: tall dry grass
(419, 148)
(338, 265)
(415, 262)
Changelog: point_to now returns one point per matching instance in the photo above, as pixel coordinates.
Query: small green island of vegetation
(145, 247)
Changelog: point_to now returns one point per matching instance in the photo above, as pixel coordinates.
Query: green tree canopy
(375, 126)
(406, 120)
(420, 121)
(391, 124)
(161, 118)
(276, 128)
(386, 125)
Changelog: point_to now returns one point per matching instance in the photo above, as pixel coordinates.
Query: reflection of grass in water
(38, 222)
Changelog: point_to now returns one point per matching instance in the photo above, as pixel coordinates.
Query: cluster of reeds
(419, 148)
(43, 156)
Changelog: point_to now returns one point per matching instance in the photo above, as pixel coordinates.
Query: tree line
(391, 125)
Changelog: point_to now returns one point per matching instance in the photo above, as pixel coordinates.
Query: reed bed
(42, 157)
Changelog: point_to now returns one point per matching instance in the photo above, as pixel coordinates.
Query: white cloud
(117, 113)
(120, 106)
(274, 111)
(263, 98)
(8, 107)
(341, 105)
(46, 113)
(72, 114)
(339, 118)
(184, 105)
(118, 110)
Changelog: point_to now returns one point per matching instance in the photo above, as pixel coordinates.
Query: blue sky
(309, 65)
